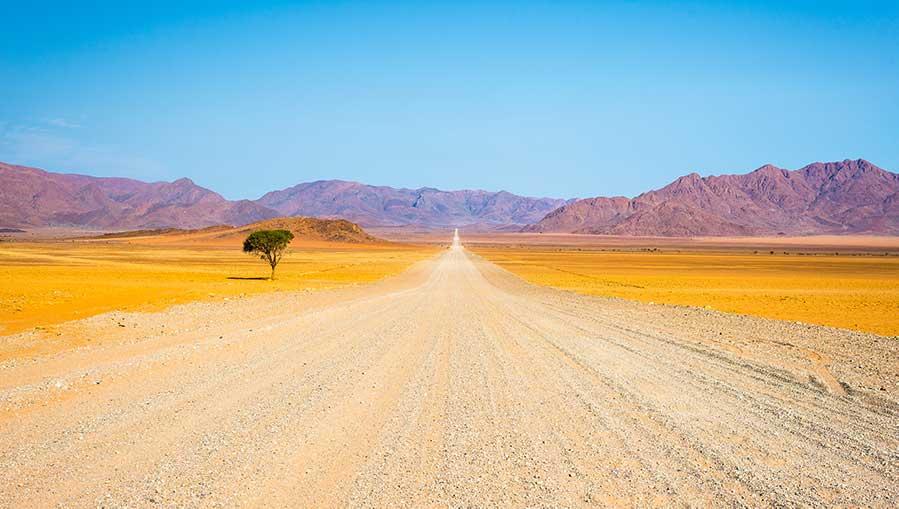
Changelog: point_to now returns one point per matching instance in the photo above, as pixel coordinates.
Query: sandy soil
(809, 244)
(49, 282)
(856, 291)
(452, 384)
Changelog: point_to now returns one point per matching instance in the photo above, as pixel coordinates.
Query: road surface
(453, 384)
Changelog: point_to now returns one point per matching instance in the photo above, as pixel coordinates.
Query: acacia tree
(269, 245)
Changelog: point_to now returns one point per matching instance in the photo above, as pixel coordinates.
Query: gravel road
(453, 384)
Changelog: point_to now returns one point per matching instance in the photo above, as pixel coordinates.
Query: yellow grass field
(47, 283)
(858, 292)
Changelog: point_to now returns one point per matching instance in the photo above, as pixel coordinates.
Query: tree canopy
(269, 245)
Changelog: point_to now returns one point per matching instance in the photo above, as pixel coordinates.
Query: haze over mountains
(852, 196)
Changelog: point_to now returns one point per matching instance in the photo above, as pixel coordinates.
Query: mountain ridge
(32, 197)
(843, 197)
(371, 205)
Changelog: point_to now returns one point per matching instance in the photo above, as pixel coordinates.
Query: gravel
(454, 384)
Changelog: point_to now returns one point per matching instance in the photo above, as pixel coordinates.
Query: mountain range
(388, 206)
(30, 197)
(851, 196)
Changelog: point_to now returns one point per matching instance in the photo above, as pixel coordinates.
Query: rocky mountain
(30, 197)
(821, 198)
(851, 196)
(388, 206)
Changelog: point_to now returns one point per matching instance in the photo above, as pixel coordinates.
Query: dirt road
(453, 384)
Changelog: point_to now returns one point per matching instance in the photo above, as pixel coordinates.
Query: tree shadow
(249, 278)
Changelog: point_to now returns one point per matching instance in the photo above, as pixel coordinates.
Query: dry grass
(47, 283)
(858, 292)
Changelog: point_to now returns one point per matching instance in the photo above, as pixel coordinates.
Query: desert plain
(846, 282)
(52, 281)
(155, 370)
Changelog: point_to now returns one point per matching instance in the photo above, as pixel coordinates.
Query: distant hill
(30, 197)
(311, 228)
(303, 228)
(851, 196)
(388, 206)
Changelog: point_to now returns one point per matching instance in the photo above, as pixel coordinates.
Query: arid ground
(50, 282)
(454, 383)
(848, 282)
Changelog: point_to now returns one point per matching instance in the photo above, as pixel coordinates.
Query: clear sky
(540, 98)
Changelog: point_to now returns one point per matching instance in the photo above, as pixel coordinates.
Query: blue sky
(540, 98)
